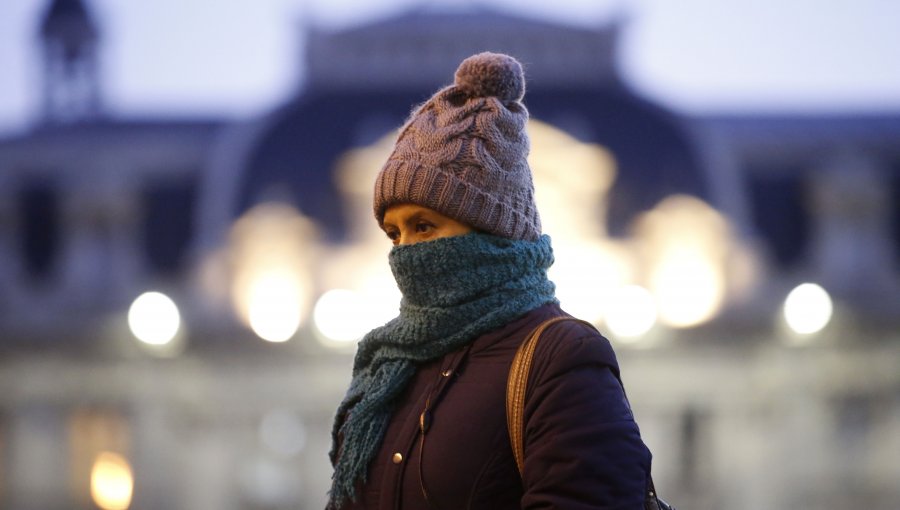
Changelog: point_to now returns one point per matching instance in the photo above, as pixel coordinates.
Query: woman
(423, 424)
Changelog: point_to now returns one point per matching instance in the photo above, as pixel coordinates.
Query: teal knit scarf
(454, 289)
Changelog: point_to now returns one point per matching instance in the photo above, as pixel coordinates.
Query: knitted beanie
(463, 153)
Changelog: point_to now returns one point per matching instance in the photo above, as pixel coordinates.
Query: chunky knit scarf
(454, 289)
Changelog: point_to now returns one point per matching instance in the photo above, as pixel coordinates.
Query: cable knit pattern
(454, 289)
(464, 152)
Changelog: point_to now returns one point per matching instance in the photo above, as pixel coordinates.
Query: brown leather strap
(517, 385)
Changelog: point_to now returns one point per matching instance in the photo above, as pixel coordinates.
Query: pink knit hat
(463, 153)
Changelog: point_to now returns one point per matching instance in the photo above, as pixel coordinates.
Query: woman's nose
(408, 238)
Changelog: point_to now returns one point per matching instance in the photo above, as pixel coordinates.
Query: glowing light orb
(688, 289)
(343, 316)
(585, 277)
(631, 312)
(808, 309)
(336, 315)
(274, 307)
(153, 318)
(112, 482)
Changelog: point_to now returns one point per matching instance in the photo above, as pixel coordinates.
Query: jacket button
(397, 458)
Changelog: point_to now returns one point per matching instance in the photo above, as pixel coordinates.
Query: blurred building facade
(218, 215)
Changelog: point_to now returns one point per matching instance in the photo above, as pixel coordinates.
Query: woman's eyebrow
(408, 221)
(416, 216)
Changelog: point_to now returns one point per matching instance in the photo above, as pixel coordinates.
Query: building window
(168, 224)
(780, 213)
(39, 227)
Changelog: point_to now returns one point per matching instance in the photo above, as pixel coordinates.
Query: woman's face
(411, 224)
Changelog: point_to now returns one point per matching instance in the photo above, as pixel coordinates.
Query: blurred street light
(274, 304)
(336, 316)
(271, 250)
(112, 482)
(631, 312)
(153, 318)
(688, 287)
(807, 309)
(343, 316)
(686, 246)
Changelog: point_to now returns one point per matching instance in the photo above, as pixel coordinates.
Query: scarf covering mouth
(454, 290)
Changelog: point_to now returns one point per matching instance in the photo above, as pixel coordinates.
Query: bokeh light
(274, 305)
(153, 318)
(808, 309)
(271, 249)
(631, 312)
(688, 289)
(685, 248)
(586, 275)
(336, 315)
(343, 316)
(112, 482)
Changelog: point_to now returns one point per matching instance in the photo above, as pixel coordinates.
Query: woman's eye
(393, 235)
(423, 227)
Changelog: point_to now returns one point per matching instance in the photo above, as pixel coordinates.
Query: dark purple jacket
(582, 446)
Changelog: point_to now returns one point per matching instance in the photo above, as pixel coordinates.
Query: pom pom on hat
(491, 74)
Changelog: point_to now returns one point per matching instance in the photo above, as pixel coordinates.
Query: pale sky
(241, 57)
